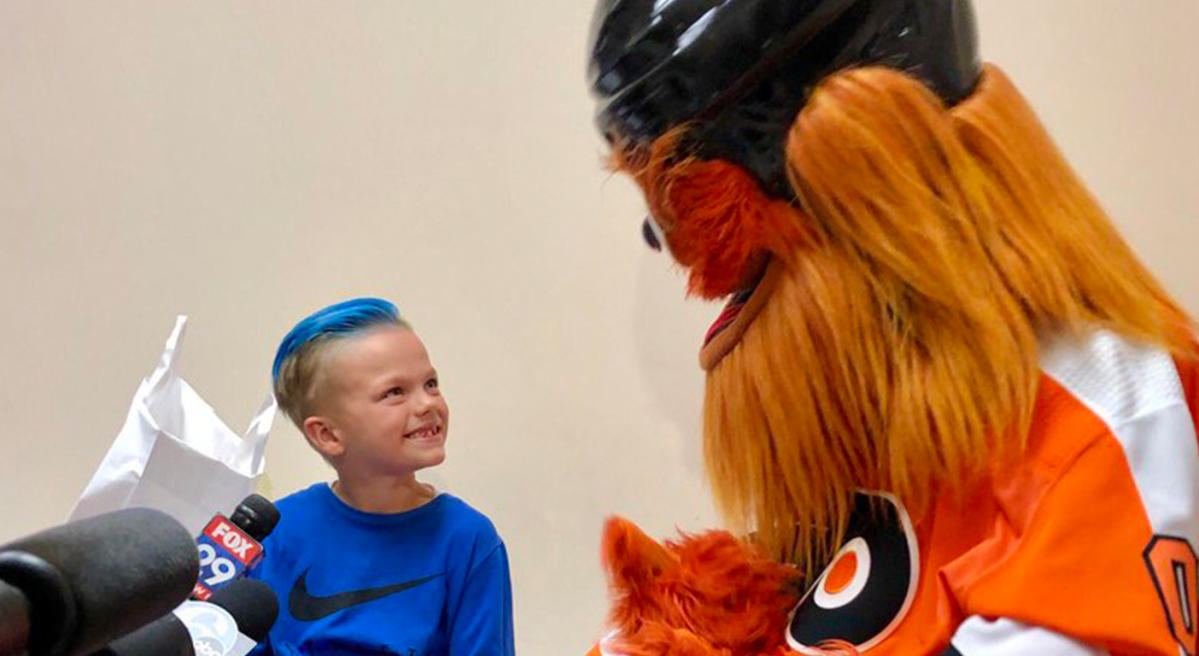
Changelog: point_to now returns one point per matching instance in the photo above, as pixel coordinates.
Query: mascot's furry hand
(705, 595)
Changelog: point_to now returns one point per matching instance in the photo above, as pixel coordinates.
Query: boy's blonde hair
(298, 372)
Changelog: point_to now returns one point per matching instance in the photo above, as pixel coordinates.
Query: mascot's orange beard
(892, 341)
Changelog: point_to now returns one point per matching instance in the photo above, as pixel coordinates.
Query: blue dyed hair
(340, 319)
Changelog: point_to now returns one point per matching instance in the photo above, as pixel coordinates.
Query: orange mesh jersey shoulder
(1086, 546)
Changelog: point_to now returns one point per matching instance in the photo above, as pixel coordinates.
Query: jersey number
(1173, 564)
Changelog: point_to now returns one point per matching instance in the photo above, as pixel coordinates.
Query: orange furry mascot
(951, 410)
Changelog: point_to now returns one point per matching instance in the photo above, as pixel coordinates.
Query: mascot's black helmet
(739, 71)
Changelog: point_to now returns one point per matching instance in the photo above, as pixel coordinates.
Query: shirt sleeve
(482, 623)
(263, 648)
(1003, 637)
(1083, 573)
(258, 573)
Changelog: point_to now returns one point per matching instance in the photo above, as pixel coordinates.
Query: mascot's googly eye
(868, 587)
(652, 232)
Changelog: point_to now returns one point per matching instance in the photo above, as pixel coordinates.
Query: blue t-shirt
(432, 581)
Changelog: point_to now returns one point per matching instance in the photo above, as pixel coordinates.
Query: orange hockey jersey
(1086, 547)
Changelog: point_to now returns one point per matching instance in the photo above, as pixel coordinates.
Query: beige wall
(247, 162)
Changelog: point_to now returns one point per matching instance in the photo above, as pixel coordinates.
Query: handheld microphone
(87, 582)
(230, 623)
(14, 620)
(229, 546)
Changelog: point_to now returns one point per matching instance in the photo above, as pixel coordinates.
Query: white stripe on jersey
(1136, 391)
(979, 637)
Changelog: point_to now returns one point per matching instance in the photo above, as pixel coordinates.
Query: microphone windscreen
(165, 636)
(14, 620)
(252, 604)
(256, 516)
(122, 570)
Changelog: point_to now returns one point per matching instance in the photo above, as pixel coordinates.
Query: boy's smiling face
(382, 405)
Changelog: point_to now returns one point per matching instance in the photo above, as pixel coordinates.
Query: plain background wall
(248, 162)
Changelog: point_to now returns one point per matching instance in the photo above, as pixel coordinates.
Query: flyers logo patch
(867, 589)
(1173, 565)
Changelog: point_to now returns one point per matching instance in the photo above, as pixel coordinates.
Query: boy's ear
(323, 437)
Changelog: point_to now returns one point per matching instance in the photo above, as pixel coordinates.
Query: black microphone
(14, 620)
(256, 515)
(251, 604)
(90, 581)
(231, 546)
(165, 636)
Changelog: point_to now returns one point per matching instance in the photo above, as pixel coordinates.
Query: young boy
(377, 562)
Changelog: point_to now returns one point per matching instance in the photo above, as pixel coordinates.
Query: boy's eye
(395, 391)
(432, 384)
